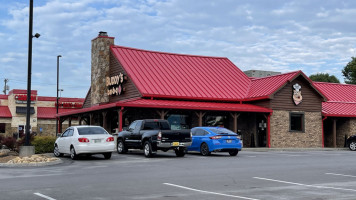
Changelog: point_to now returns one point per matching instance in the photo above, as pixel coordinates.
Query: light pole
(57, 93)
(29, 72)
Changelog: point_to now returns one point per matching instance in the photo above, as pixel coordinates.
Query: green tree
(349, 72)
(324, 77)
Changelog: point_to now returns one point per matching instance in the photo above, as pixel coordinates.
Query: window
(178, 122)
(2, 127)
(296, 122)
(92, 131)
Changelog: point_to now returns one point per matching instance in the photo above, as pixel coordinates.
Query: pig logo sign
(297, 94)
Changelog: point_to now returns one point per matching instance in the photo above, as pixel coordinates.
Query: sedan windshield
(222, 131)
(91, 131)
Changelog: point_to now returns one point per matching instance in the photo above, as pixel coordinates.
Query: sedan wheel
(121, 147)
(352, 146)
(233, 153)
(56, 152)
(204, 149)
(73, 155)
(107, 155)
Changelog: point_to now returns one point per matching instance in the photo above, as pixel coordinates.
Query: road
(251, 175)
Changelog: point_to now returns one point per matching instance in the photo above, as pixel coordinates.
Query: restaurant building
(13, 109)
(285, 110)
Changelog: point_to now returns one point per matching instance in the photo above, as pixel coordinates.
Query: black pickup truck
(152, 135)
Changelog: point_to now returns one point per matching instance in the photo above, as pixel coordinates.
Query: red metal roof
(339, 109)
(18, 91)
(62, 99)
(5, 112)
(3, 96)
(50, 112)
(337, 92)
(178, 76)
(266, 86)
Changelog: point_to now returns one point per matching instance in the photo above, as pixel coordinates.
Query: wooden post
(80, 120)
(334, 133)
(200, 115)
(91, 119)
(235, 116)
(162, 113)
(104, 120)
(60, 124)
(120, 113)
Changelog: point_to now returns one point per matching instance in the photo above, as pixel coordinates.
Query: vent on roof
(102, 33)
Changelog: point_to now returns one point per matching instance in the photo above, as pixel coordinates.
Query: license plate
(175, 143)
(228, 141)
(97, 140)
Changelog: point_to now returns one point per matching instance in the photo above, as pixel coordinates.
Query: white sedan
(87, 140)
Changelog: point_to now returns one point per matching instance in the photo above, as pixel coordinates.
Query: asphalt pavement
(264, 174)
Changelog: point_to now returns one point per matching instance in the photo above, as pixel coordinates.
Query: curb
(40, 164)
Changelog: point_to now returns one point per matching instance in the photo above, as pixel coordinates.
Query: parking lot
(250, 175)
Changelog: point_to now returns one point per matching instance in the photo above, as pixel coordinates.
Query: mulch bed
(11, 156)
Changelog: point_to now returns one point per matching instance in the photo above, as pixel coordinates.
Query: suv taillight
(110, 139)
(83, 139)
(159, 136)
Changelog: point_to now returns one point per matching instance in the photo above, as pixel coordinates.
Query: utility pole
(6, 87)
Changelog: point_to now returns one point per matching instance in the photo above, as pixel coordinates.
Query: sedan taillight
(215, 137)
(83, 139)
(110, 139)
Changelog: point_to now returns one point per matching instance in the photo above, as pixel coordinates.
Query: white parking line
(202, 191)
(44, 196)
(341, 175)
(305, 185)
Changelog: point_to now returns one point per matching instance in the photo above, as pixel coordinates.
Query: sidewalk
(265, 149)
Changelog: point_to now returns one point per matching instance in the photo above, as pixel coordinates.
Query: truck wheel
(121, 149)
(204, 149)
(180, 152)
(147, 149)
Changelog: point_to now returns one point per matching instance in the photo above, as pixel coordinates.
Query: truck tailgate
(176, 136)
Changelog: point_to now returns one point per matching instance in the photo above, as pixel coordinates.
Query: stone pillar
(100, 65)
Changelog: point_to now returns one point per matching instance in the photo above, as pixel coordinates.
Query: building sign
(297, 94)
(114, 84)
(22, 98)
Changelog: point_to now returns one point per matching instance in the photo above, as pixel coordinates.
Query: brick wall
(281, 137)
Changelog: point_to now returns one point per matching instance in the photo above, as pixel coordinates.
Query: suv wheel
(352, 145)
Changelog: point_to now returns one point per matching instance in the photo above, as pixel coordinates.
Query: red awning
(168, 104)
(5, 112)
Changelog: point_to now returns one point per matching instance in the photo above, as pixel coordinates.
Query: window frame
(292, 114)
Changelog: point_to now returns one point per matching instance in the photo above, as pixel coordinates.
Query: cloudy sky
(278, 35)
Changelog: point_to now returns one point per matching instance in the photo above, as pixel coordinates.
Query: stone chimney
(100, 66)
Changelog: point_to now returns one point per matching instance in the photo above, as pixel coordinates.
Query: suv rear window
(156, 126)
(91, 131)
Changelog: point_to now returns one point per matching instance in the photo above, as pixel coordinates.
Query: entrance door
(261, 138)
(21, 129)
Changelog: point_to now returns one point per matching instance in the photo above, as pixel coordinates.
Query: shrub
(9, 142)
(21, 141)
(43, 144)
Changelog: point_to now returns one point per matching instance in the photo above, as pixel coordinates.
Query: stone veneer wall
(100, 62)
(282, 138)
